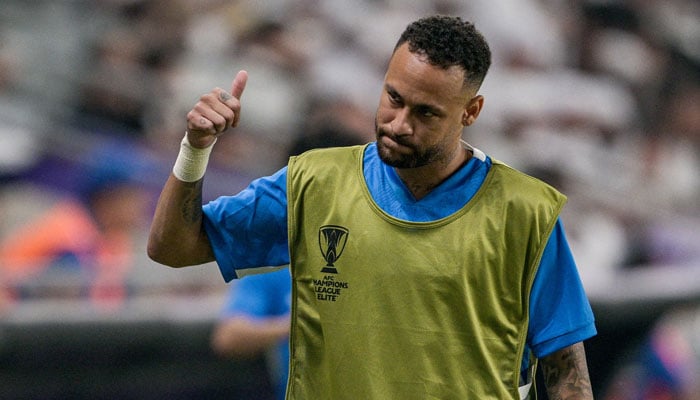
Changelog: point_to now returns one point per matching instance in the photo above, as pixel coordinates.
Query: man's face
(421, 113)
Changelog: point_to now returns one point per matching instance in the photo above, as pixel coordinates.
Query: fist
(215, 112)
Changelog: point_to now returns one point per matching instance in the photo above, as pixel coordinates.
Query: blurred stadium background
(601, 98)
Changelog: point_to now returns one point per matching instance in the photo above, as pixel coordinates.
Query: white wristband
(191, 162)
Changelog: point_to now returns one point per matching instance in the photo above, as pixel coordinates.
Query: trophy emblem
(332, 239)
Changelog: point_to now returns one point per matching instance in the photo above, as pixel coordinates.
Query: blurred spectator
(665, 365)
(82, 246)
(128, 67)
(670, 182)
(255, 320)
(20, 127)
(333, 122)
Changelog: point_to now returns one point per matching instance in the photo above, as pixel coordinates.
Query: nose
(400, 125)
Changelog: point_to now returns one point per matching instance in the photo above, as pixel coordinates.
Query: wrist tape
(191, 162)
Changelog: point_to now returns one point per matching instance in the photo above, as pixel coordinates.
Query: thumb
(238, 84)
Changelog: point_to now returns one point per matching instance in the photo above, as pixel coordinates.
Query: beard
(415, 158)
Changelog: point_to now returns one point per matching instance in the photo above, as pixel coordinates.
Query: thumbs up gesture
(215, 112)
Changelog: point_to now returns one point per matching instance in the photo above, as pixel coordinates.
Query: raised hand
(215, 112)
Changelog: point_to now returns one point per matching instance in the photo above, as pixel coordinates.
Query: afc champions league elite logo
(332, 239)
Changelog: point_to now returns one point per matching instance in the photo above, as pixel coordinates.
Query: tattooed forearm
(192, 206)
(566, 374)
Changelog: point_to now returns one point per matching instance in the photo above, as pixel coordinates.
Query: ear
(472, 110)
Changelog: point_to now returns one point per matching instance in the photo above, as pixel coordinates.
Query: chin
(394, 160)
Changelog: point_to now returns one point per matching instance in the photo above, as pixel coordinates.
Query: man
(420, 267)
(255, 320)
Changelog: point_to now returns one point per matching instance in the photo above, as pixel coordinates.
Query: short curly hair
(447, 41)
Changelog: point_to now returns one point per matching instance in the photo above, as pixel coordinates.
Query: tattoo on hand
(566, 374)
(224, 96)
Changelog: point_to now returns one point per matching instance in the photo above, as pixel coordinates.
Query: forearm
(566, 374)
(244, 337)
(177, 237)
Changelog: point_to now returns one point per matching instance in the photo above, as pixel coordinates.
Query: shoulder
(522, 178)
(324, 161)
(329, 153)
(523, 186)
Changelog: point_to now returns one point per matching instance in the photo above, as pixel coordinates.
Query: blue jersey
(265, 296)
(249, 231)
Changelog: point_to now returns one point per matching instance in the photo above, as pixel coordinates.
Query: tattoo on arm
(192, 207)
(566, 374)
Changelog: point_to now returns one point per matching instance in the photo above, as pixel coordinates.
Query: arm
(177, 237)
(566, 374)
(241, 336)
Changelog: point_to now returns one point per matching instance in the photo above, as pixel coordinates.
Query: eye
(394, 97)
(426, 112)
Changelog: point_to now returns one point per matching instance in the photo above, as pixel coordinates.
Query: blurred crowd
(600, 98)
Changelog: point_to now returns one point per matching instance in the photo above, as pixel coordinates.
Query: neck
(421, 181)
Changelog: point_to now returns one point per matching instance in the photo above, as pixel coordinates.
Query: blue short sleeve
(249, 230)
(560, 314)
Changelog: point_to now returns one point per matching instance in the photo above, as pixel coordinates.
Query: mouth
(393, 144)
(391, 141)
